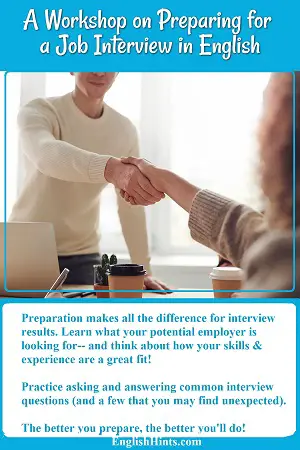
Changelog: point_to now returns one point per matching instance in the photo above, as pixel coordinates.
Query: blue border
(225, 443)
(156, 291)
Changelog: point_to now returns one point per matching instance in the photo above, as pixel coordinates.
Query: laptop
(31, 259)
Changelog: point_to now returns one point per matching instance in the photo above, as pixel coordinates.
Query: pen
(78, 294)
(58, 282)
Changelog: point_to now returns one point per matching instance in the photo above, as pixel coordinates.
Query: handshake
(139, 182)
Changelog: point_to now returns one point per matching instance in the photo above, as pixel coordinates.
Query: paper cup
(228, 279)
(124, 277)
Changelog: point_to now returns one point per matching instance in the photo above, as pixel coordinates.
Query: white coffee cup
(226, 278)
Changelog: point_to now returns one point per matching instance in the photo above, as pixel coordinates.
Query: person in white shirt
(72, 146)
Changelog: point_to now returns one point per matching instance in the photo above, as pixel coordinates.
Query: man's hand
(153, 173)
(129, 179)
(155, 285)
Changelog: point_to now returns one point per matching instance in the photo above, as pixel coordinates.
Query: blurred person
(261, 244)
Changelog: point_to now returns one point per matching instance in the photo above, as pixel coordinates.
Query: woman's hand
(175, 187)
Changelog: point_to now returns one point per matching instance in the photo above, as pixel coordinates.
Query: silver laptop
(31, 259)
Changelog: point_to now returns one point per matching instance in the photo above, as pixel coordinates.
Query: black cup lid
(126, 270)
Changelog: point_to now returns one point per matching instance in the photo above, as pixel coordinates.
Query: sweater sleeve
(225, 226)
(38, 134)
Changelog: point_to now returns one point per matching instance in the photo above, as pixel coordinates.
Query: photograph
(140, 183)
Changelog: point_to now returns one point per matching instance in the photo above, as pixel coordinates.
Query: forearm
(178, 189)
(227, 227)
(39, 136)
(58, 159)
(219, 223)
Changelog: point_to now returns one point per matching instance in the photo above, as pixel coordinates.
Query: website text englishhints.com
(155, 442)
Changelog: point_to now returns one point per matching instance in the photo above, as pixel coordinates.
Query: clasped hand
(132, 177)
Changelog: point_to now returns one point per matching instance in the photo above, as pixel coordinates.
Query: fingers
(148, 198)
(164, 286)
(157, 287)
(154, 286)
(131, 160)
(139, 181)
(149, 190)
(130, 200)
(142, 191)
(140, 195)
(139, 199)
(127, 198)
(140, 163)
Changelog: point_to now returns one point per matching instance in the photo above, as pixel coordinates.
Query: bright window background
(200, 125)
(212, 136)
(13, 98)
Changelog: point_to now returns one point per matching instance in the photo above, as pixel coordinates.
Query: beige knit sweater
(241, 235)
(65, 154)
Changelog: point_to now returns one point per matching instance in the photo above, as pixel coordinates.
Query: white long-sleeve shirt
(65, 154)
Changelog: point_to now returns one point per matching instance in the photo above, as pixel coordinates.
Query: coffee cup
(122, 277)
(226, 278)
